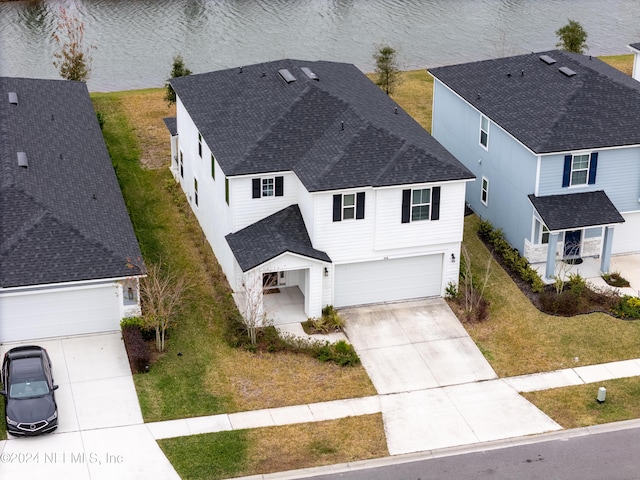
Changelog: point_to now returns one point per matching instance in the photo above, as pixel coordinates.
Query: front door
(572, 241)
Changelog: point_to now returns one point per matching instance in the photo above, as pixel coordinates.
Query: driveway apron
(437, 390)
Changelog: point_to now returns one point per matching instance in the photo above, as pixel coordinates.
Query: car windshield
(32, 389)
(27, 378)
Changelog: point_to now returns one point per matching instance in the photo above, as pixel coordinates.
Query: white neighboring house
(307, 172)
(65, 235)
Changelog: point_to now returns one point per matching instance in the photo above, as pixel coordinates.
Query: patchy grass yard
(275, 449)
(574, 407)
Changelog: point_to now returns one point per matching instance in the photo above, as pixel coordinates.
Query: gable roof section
(340, 131)
(62, 218)
(547, 110)
(576, 210)
(282, 232)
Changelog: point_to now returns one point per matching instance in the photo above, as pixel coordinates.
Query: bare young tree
(72, 60)
(472, 289)
(253, 309)
(161, 294)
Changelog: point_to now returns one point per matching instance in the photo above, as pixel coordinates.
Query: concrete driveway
(436, 388)
(101, 432)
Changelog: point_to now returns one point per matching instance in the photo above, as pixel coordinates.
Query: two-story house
(69, 259)
(307, 173)
(553, 140)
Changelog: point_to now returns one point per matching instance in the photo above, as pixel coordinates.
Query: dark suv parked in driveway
(30, 405)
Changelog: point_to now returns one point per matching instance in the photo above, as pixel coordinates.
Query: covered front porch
(572, 228)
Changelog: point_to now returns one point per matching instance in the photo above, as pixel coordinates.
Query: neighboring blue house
(553, 140)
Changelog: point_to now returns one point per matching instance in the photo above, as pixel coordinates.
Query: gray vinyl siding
(618, 174)
(509, 166)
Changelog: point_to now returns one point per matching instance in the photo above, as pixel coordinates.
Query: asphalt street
(574, 455)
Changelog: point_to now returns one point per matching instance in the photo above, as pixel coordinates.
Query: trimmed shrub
(628, 307)
(137, 349)
(331, 321)
(614, 279)
(340, 352)
(510, 256)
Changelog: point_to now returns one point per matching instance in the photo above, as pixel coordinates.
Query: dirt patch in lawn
(146, 109)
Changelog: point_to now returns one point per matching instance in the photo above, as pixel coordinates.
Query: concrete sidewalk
(465, 398)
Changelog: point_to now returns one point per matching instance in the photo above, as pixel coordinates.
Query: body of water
(135, 40)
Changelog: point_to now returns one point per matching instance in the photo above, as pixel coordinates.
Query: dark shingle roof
(576, 210)
(635, 46)
(340, 131)
(171, 124)
(547, 110)
(284, 231)
(62, 218)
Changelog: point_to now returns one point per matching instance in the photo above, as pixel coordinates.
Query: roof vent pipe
(22, 160)
(341, 125)
(13, 98)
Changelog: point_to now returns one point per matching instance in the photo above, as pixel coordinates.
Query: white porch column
(607, 242)
(551, 256)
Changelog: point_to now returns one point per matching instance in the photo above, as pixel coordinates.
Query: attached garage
(388, 280)
(59, 312)
(626, 238)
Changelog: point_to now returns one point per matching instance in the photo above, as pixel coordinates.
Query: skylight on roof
(309, 73)
(547, 59)
(13, 98)
(286, 75)
(22, 160)
(567, 71)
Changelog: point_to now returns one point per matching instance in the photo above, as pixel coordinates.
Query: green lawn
(574, 407)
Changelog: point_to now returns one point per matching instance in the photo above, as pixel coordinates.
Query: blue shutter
(593, 166)
(435, 203)
(256, 187)
(566, 175)
(360, 206)
(279, 186)
(406, 206)
(337, 208)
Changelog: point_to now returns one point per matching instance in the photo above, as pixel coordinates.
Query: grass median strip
(274, 449)
(576, 406)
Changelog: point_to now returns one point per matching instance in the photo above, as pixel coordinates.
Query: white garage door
(56, 313)
(388, 280)
(626, 237)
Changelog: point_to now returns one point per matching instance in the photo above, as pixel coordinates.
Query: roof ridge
(336, 160)
(256, 144)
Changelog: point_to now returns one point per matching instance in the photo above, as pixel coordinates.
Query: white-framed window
(268, 187)
(199, 144)
(181, 164)
(195, 191)
(541, 233)
(484, 191)
(579, 170)
(213, 167)
(349, 206)
(420, 204)
(484, 131)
